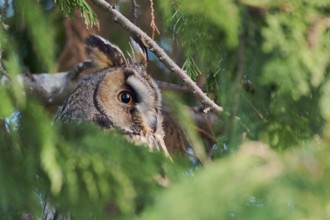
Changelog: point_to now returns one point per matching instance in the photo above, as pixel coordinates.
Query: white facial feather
(147, 98)
(144, 91)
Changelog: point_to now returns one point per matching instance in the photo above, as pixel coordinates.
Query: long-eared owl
(119, 93)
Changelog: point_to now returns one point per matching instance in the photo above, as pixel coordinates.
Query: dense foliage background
(266, 63)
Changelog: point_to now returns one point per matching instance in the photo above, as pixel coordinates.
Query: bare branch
(54, 88)
(49, 88)
(159, 52)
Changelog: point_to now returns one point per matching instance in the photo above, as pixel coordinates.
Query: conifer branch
(159, 52)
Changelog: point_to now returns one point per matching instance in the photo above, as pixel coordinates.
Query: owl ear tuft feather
(139, 54)
(104, 54)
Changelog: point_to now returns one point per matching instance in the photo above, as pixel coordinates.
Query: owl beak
(154, 124)
(158, 139)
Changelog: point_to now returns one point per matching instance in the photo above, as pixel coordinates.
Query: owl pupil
(126, 98)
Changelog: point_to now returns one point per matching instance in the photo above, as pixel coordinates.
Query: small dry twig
(5, 8)
(153, 23)
(3, 72)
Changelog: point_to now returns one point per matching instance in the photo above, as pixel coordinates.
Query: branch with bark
(53, 89)
(159, 52)
(50, 89)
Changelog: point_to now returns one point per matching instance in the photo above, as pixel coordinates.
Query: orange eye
(125, 97)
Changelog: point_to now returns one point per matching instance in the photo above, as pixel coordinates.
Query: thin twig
(135, 7)
(238, 85)
(159, 52)
(206, 134)
(255, 109)
(3, 72)
(153, 23)
(5, 8)
(172, 86)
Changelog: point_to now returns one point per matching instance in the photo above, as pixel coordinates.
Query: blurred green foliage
(255, 184)
(73, 167)
(70, 8)
(30, 12)
(279, 48)
(266, 63)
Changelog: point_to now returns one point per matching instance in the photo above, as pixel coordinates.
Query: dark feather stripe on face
(101, 118)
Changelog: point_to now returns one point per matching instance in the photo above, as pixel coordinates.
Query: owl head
(119, 93)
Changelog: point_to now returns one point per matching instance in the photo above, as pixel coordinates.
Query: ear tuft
(139, 52)
(104, 54)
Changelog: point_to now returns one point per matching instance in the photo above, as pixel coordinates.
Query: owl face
(118, 94)
(131, 101)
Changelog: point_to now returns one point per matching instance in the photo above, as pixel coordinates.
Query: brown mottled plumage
(118, 94)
